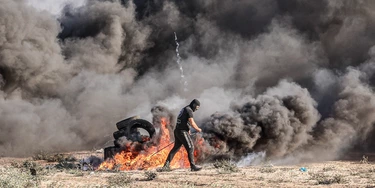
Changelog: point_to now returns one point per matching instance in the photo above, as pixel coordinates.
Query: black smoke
(289, 77)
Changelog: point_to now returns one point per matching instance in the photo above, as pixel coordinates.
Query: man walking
(182, 136)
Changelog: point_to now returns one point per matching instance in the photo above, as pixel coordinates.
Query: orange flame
(149, 158)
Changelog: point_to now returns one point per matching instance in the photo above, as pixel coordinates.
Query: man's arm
(194, 125)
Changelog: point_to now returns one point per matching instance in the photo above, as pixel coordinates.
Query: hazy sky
(54, 6)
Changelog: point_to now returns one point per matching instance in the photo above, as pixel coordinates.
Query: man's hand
(194, 125)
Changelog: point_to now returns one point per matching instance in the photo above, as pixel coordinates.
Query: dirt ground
(348, 173)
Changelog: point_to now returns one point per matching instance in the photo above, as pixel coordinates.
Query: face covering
(194, 104)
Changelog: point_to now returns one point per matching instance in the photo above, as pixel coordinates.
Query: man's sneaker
(196, 168)
(165, 168)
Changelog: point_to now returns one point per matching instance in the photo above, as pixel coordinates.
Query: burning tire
(119, 134)
(138, 125)
(133, 129)
(124, 123)
(109, 152)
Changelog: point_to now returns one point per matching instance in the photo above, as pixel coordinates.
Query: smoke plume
(286, 78)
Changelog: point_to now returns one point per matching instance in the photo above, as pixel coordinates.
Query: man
(182, 136)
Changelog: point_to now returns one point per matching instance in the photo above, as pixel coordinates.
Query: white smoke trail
(179, 63)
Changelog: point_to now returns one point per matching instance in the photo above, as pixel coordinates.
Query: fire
(199, 141)
(149, 158)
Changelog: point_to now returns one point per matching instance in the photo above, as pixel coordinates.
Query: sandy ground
(354, 173)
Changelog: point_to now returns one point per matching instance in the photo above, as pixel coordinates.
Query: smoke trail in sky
(184, 82)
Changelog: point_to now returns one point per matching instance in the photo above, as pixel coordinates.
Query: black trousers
(182, 137)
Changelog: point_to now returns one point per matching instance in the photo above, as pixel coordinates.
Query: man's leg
(176, 147)
(189, 146)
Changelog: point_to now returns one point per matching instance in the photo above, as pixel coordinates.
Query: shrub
(364, 160)
(58, 157)
(13, 177)
(326, 180)
(149, 175)
(225, 166)
(119, 180)
(267, 170)
(67, 165)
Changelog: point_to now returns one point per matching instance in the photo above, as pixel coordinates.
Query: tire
(141, 123)
(109, 152)
(129, 129)
(119, 134)
(124, 123)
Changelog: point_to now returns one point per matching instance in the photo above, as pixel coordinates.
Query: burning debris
(90, 163)
(136, 150)
(132, 133)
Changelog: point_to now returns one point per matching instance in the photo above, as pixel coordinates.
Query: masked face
(196, 108)
(194, 105)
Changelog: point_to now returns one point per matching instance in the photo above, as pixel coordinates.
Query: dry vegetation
(63, 170)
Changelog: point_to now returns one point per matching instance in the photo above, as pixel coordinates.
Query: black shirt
(183, 118)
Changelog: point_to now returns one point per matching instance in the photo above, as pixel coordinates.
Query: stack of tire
(129, 129)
